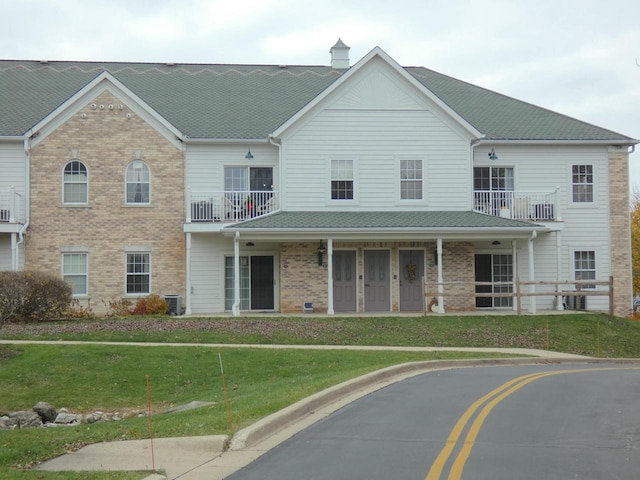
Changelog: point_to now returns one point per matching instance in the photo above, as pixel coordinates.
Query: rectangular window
(585, 266)
(582, 183)
(138, 273)
(74, 272)
(342, 179)
(411, 179)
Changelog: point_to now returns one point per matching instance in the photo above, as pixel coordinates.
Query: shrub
(151, 305)
(77, 311)
(119, 307)
(32, 295)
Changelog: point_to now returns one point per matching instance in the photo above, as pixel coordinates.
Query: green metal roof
(251, 101)
(305, 220)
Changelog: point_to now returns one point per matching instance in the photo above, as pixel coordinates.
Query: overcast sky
(577, 57)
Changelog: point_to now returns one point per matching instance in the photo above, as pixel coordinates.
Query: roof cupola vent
(340, 55)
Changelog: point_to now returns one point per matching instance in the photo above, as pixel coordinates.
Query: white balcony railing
(532, 206)
(11, 206)
(226, 206)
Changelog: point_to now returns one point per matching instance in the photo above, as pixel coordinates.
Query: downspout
(279, 147)
(532, 276)
(27, 204)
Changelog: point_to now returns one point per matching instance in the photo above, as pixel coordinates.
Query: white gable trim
(378, 52)
(104, 82)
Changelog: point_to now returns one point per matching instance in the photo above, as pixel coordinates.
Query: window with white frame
(411, 179)
(582, 183)
(138, 183)
(138, 277)
(75, 272)
(585, 266)
(341, 179)
(75, 183)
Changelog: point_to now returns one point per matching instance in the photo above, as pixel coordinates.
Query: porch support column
(514, 259)
(559, 305)
(440, 278)
(187, 293)
(235, 308)
(330, 310)
(532, 275)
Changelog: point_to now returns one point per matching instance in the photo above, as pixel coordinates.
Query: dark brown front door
(377, 282)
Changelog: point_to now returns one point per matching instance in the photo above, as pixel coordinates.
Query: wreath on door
(411, 271)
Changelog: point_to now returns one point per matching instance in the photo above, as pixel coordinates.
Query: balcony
(11, 206)
(229, 207)
(528, 206)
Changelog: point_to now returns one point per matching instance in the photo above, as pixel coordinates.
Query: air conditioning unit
(575, 303)
(175, 304)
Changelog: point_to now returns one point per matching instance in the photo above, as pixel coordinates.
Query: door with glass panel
(494, 269)
(248, 189)
(493, 190)
(256, 283)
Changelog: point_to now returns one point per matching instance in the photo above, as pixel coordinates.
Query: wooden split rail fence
(581, 288)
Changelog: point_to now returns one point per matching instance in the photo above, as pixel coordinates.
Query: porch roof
(384, 223)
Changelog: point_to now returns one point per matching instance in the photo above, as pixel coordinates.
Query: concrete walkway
(218, 456)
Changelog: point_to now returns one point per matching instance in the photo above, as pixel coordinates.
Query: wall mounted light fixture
(249, 156)
(492, 155)
(321, 251)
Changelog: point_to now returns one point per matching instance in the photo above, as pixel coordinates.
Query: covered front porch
(381, 262)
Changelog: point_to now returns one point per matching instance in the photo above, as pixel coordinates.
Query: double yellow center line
(489, 401)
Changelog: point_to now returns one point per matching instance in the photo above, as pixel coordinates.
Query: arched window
(138, 183)
(75, 182)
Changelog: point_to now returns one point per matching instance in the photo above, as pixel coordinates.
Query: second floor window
(411, 179)
(75, 183)
(138, 183)
(341, 179)
(582, 183)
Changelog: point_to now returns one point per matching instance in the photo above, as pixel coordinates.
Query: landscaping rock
(65, 418)
(46, 411)
(25, 420)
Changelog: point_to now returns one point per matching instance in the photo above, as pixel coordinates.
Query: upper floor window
(138, 180)
(75, 183)
(341, 179)
(138, 277)
(75, 272)
(493, 179)
(243, 179)
(411, 179)
(582, 183)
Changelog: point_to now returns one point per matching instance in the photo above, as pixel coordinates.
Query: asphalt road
(522, 422)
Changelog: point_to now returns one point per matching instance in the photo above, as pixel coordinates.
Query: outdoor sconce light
(492, 155)
(321, 250)
(249, 156)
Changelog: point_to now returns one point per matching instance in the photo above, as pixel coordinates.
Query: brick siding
(106, 142)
